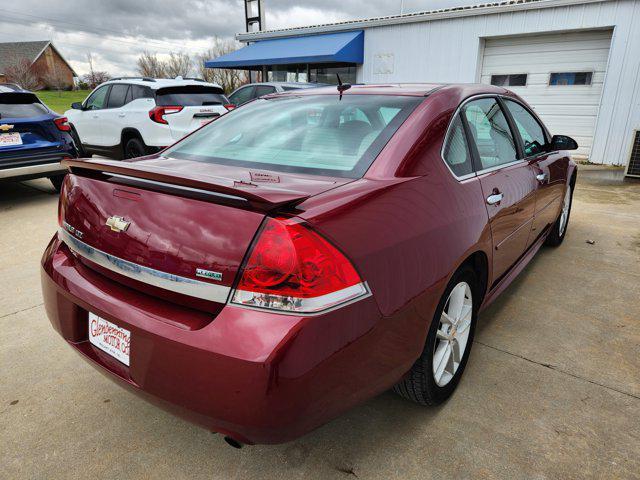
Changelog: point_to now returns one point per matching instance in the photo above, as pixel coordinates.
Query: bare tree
(95, 78)
(178, 64)
(21, 71)
(54, 79)
(226, 78)
(149, 65)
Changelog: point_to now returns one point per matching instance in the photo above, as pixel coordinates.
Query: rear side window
(138, 91)
(530, 130)
(117, 96)
(21, 105)
(456, 150)
(190, 96)
(264, 90)
(491, 132)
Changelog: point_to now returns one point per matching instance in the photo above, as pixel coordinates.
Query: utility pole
(254, 20)
(401, 7)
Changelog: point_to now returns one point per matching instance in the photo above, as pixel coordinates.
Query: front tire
(436, 373)
(559, 228)
(134, 148)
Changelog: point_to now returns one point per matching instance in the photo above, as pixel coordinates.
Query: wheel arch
(127, 134)
(479, 263)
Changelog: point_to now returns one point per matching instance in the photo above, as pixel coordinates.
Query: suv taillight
(292, 268)
(230, 106)
(62, 123)
(157, 113)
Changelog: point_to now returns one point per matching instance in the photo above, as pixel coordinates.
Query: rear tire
(425, 384)
(57, 182)
(134, 148)
(559, 228)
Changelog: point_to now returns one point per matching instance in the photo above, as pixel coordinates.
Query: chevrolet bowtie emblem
(117, 224)
(6, 127)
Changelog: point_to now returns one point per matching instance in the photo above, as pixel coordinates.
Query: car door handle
(541, 177)
(121, 115)
(495, 198)
(95, 116)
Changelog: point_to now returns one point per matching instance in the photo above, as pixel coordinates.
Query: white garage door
(559, 75)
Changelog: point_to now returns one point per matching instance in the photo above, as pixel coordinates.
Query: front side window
(532, 133)
(509, 80)
(320, 134)
(241, 96)
(491, 133)
(456, 150)
(570, 78)
(97, 99)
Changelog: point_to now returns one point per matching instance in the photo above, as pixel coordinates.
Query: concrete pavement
(552, 389)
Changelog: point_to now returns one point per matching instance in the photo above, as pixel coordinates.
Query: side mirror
(76, 106)
(562, 142)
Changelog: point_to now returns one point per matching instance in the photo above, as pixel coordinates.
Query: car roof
(157, 83)
(406, 89)
(12, 87)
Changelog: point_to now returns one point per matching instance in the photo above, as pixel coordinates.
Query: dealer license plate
(109, 338)
(9, 139)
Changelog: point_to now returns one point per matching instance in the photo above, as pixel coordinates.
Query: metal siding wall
(448, 51)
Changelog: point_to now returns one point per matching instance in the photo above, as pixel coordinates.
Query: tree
(178, 64)
(22, 72)
(228, 79)
(93, 78)
(149, 65)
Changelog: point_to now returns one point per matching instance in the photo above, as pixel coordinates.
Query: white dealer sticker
(109, 338)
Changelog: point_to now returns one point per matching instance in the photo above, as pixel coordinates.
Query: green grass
(61, 101)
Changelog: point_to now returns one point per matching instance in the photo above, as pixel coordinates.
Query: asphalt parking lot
(552, 390)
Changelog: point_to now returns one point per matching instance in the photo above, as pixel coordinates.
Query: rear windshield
(21, 105)
(190, 96)
(320, 134)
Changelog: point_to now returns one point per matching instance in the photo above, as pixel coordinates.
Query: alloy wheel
(564, 215)
(453, 334)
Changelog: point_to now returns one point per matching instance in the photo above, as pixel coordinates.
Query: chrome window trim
(446, 137)
(149, 276)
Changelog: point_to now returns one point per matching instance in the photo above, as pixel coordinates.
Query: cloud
(118, 31)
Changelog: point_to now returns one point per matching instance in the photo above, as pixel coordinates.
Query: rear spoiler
(262, 197)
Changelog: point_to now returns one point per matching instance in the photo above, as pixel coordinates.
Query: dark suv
(33, 139)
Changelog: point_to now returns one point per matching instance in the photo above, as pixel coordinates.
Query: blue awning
(343, 47)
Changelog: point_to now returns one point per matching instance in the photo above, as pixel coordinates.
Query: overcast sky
(117, 31)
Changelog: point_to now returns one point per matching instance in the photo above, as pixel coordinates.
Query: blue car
(33, 139)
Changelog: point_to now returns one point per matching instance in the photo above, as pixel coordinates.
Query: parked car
(33, 139)
(248, 92)
(130, 117)
(306, 252)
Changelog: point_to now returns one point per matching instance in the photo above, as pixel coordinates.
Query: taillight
(229, 106)
(62, 123)
(157, 113)
(292, 268)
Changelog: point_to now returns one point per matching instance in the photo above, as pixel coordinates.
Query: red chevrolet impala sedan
(306, 251)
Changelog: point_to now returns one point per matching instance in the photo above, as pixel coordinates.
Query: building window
(510, 80)
(328, 74)
(570, 78)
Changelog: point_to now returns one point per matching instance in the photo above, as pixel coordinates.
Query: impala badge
(6, 127)
(117, 224)
(201, 272)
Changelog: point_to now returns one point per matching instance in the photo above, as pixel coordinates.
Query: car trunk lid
(173, 228)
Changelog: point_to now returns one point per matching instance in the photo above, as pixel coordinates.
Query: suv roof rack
(144, 79)
(195, 79)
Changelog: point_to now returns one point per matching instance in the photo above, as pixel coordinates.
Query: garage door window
(532, 134)
(490, 132)
(570, 78)
(510, 80)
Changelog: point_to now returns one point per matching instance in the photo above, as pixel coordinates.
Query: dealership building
(577, 62)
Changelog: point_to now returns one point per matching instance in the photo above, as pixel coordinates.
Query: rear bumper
(257, 376)
(49, 166)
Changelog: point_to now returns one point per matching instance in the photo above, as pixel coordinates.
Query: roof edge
(425, 16)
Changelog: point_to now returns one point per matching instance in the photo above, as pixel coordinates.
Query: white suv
(134, 116)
